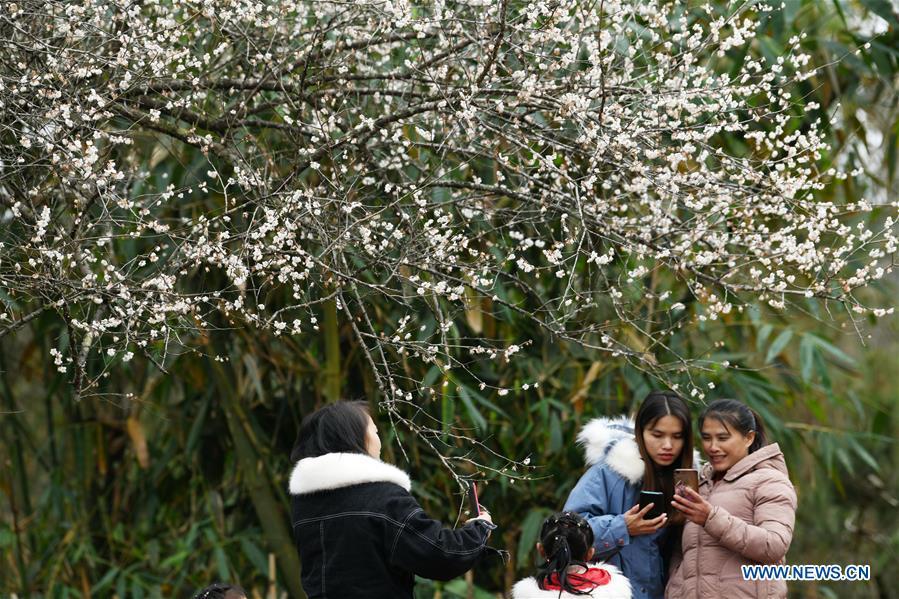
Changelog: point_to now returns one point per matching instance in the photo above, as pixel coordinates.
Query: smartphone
(473, 504)
(655, 497)
(686, 477)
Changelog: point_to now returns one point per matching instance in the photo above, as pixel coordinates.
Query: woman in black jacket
(358, 530)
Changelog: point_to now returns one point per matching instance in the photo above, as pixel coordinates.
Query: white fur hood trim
(337, 470)
(611, 440)
(618, 588)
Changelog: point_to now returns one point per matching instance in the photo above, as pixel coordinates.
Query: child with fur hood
(566, 545)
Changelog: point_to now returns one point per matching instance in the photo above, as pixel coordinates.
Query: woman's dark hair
(566, 539)
(657, 405)
(336, 428)
(222, 591)
(661, 478)
(732, 413)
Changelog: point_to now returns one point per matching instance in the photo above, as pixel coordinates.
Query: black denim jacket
(369, 540)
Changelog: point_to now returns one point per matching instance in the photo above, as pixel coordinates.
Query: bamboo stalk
(268, 510)
(18, 480)
(20, 560)
(332, 351)
(272, 594)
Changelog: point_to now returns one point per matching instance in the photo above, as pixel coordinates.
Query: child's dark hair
(336, 428)
(566, 539)
(732, 413)
(221, 591)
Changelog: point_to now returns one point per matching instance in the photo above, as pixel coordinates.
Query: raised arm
(425, 547)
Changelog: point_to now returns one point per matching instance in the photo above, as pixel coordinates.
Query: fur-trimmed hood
(618, 588)
(337, 470)
(611, 440)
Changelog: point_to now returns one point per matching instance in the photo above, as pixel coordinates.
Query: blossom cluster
(170, 167)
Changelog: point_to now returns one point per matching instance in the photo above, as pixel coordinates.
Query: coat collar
(618, 588)
(767, 453)
(769, 456)
(611, 441)
(337, 470)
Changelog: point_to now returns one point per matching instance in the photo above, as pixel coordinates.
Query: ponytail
(560, 560)
(566, 540)
(761, 438)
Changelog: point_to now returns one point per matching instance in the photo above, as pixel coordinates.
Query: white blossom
(553, 172)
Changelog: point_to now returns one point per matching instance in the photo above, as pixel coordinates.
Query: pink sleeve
(768, 538)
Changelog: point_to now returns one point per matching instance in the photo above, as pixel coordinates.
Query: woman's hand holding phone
(479, 511)
(484, 515)
(685, 478)
(637, 525)
(693, 506)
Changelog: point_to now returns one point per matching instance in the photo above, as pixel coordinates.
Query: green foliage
(156, 484)
(111, 524)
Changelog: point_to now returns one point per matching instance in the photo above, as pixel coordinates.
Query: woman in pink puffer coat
(743, 514)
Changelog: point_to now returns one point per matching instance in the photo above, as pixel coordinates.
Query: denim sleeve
(591, 498)
(423, 546)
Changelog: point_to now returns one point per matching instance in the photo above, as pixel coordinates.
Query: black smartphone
(473, 504)
(657, 498)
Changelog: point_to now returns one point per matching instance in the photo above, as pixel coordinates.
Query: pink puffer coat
(753, 512)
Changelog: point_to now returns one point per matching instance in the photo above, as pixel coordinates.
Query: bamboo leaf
(555, 434)
(221, 563)
(864, 455)
(778, 345)
(477, 419)
(197, 425)
(106, 580)
(834, 351)
(883, 9)
(447, 409)
(473, 313)
(139, 441)
(254, 554)
(530, 531)
(806, 358)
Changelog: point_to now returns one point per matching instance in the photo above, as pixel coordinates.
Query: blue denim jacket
(610, 487)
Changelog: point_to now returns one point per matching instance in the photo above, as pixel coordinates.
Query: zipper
(699, 545)
(698, 573)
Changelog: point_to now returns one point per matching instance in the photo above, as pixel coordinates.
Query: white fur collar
(618, 588)
(336, 470)
(611, 440)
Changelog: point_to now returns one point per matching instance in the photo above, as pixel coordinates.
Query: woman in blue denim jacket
(625, 457)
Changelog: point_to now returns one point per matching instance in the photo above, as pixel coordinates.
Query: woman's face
(664, 440)
(372, 441)
(724, 446)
